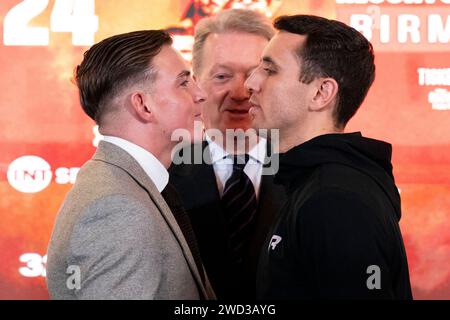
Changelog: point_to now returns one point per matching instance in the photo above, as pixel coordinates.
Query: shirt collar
(258, 152)
(149, 163)
(217, 152)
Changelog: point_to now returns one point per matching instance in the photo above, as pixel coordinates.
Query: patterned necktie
(173, 201)
(239, 201)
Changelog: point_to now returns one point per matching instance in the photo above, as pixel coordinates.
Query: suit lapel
(200, 194)
(114, 155)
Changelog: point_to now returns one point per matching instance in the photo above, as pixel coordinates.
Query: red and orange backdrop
(45, 137)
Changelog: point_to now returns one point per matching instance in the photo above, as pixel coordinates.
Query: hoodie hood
(369, 156)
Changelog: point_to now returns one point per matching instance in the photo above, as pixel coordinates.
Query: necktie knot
(239, 162)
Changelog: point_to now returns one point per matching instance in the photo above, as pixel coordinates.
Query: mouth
(239, 111)
(253, 106)
(198, 118)
(252, 101)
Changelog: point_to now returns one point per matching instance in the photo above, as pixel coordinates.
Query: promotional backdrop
(45, 137)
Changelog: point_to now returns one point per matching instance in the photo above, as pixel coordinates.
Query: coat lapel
(199, 190)
(114, 155)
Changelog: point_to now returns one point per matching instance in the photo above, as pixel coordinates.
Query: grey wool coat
(116, 238)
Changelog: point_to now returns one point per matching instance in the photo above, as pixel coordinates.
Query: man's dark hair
(115, 63)
(333, 49)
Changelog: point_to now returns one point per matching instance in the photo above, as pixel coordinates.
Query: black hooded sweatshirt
(337, 236)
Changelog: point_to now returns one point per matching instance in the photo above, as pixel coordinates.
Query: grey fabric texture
(115, 228)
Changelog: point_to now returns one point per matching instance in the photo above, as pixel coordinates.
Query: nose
(199, 94)
(239, 92)
(251, 84)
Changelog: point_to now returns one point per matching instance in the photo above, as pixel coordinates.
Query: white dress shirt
(151, 165)
(223, 164)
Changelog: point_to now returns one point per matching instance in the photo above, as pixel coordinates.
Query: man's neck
(292, 138)
(161, 151)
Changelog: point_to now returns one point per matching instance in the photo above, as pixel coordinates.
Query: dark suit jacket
(197, 187)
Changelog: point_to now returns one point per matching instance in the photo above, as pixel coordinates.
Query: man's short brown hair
(114, 64)
(336, 50)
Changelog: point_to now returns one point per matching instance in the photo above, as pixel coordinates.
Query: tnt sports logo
(29, 174)
(32, 174)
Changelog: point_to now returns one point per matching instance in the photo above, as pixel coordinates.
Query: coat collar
(116, 156)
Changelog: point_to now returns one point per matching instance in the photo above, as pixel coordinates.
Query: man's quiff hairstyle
(232, 20)
(116, 63)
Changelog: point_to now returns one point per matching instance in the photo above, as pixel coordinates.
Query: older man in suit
(115, 231)
(231, 202)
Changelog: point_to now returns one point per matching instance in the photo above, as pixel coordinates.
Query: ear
(141, 105)
(325, 95)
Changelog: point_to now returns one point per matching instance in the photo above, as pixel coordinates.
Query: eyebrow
(229, 68)
(183, 74)
(269, 60)
(218, 66)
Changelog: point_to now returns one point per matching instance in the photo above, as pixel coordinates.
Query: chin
(257, 123)
(197, 134)
(244, 125)
(197, 138)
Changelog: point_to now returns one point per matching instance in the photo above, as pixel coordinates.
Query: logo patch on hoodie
(274, 242)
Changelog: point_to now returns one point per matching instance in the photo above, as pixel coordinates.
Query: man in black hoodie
(337, 236)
